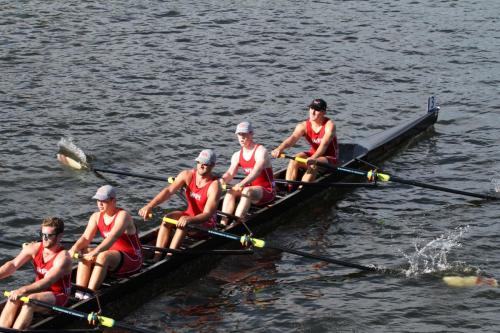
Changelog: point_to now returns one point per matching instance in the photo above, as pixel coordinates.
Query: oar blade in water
(469, 281)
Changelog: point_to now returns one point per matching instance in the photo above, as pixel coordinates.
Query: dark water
(143, 86)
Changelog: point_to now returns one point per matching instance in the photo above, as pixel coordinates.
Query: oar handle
(295, 158)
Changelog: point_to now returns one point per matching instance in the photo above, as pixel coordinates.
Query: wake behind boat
(120, 296)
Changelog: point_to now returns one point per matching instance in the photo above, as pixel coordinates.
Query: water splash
(433, 256)
(495, 181)
(68, 147)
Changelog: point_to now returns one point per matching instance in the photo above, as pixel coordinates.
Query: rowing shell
(119, 297)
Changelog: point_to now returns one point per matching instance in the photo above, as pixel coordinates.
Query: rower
(119, 253)
(203, 192)
(53, 276)
(319, 131)
(258, 186)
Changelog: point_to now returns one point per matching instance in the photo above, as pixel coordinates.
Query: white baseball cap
(104, 193)
(206, 156)
(244, 127)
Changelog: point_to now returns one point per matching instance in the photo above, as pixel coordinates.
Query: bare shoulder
(235, 157)
(63, 259)
(123, 214)
(215, 186)
(330, 125)
(94, 218)
(261, 152)
(31, 248)
(300, 129)
(185, 175)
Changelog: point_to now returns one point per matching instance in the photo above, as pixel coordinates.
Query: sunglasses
(47, 236)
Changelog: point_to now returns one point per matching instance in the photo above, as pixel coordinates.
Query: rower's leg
(310, 174)
(228, 206)
(105, 261)
(249, 195)
(164, 234)
(9, 313)
(292, 170)
(83, 272)
(178, 238)
(312, 170)
(25, 316)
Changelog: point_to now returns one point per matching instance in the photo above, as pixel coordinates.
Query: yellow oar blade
(469, 281)
(69, 162)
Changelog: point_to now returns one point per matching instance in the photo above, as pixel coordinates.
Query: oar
(188, 252)
(79, 165)
(259, 243)
(372, 175)
(320, 184)
(104, 321)
(16, 244)
(11, 243)
(66, 160)
(469, 281)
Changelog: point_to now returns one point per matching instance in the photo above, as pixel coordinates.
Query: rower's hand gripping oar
(246, 240)
(373, 175)
(90, 317)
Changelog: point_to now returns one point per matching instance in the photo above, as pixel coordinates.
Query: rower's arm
(26, 254)
(233, 168)
(326, 140)
(299, 131)
(61, 266)
(88, 235)
(170, 190)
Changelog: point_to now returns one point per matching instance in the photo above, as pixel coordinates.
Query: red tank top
(314, 139)
(126, 243)
(63, 285)
(196, 197)
(264, 179)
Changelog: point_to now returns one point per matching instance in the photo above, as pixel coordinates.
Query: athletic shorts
(210, 224)
(129, 264)
(61, 298)
(268, 196)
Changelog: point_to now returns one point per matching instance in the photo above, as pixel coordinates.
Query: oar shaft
(104, 321)
(10, 243)
(322, 258)
(131, 174)
(259, 243)
(387, 177)
(188, 252)
(321, 184)
(440, 188)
